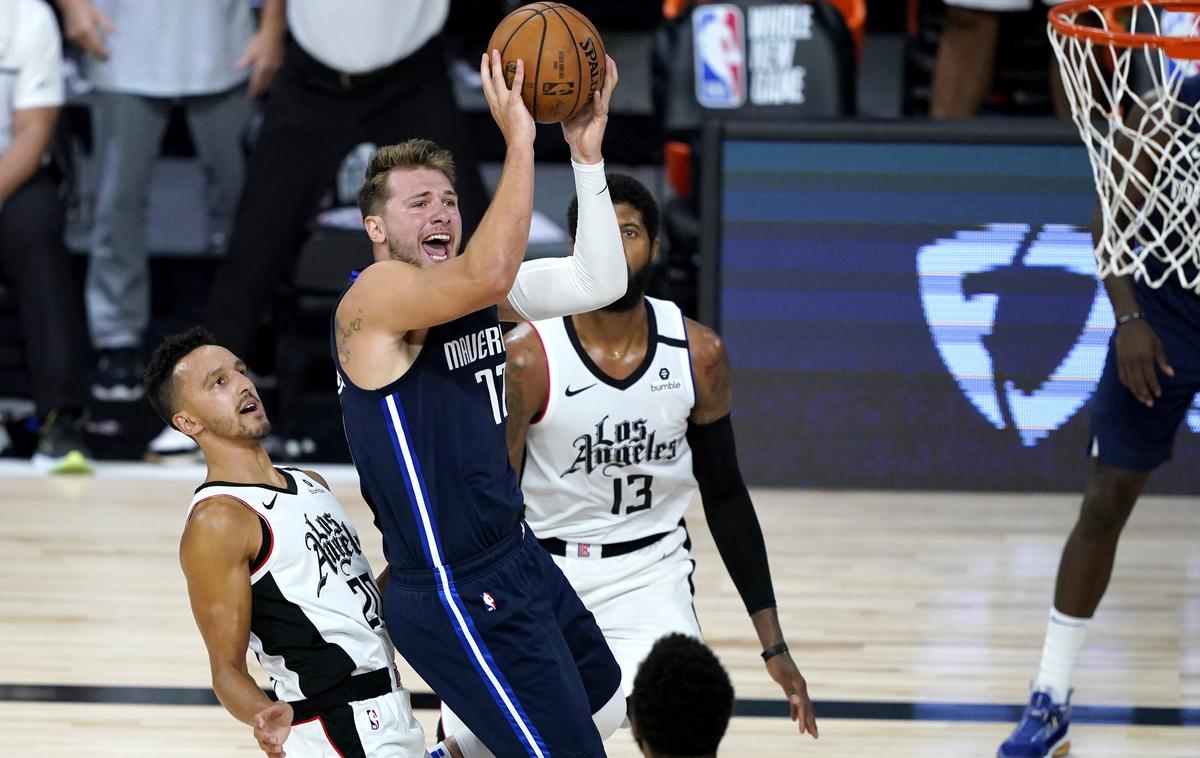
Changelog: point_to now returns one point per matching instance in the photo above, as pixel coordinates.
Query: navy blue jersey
(430, 448)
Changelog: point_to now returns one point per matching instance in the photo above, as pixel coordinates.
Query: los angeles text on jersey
(335, 544)
(473, 347)
(624, 444)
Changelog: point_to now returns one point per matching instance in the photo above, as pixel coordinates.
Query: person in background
(33, 257)
(966, 59)
(368, 71)
(145, 58)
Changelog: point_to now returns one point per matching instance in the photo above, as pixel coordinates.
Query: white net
(1138, 112)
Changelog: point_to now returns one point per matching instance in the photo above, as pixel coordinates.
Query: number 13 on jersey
(495, 390)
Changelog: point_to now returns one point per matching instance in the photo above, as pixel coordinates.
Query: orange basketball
(563, 54)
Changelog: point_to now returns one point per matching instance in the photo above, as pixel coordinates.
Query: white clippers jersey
(608, 461)
(316, 616)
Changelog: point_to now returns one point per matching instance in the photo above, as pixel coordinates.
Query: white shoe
(172, 446)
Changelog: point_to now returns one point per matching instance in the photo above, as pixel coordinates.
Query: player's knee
(611, 715)
(1107, 503)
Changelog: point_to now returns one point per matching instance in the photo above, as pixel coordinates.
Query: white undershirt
(172, 48)
(30, 61)
(356, 36)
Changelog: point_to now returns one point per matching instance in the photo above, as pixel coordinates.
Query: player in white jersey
(272, 562)
(616, 418)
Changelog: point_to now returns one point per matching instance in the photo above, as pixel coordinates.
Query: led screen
(915, 315)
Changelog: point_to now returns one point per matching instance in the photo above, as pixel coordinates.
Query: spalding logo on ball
(563, 54)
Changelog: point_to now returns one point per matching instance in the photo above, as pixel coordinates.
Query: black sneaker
(60, 447)
(119, 376)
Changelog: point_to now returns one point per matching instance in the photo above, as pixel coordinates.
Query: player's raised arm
(594, 274)
(413, 220)
(731, 517)
(221, 538)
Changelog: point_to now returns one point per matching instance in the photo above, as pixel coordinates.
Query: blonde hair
(413, 153)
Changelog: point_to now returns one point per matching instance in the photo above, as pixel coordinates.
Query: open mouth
(250, 406)
(437, 246)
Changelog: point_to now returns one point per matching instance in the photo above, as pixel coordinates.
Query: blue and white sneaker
(1042, 731)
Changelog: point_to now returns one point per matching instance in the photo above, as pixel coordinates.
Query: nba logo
(373, 717)
(489, 602)
(719, 38)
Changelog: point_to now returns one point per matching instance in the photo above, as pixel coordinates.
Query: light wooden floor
(921, 597)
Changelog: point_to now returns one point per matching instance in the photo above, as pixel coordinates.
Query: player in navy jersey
(473, 603)
(1150, 380)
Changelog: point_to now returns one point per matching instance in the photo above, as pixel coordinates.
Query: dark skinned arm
(525, 388)
(730, 512)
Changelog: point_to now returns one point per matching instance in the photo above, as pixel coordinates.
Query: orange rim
(1062, 19)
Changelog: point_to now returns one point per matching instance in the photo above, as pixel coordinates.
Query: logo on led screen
(1020, 321)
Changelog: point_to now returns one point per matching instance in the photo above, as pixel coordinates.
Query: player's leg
(217, 122)
(966, 58)
(489, 646)
(637, 598)
(1128, 441)
(129, 129)
(304, 135)
(36, 264)
(590, 652)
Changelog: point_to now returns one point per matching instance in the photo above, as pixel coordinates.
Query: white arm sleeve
(593, 276)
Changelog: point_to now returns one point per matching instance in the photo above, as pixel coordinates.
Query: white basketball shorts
(384, 727)
(637, 598)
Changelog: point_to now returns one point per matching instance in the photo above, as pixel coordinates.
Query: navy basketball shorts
(506, 643)
(1126, 434)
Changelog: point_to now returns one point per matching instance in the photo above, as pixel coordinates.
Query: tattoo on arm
(344, 333)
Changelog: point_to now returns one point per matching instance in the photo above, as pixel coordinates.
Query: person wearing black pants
(319, 109)
(34, 262)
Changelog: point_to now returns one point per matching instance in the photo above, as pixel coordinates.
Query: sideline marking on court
(753, 708)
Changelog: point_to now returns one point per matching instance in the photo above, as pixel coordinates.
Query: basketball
(563, 54)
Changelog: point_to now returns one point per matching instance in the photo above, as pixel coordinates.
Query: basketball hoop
(1142, 138)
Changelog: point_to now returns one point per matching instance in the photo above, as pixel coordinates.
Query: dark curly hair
(624, 189)
(160, 388)
(682, 698)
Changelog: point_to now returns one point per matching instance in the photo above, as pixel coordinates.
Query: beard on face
(398, 252)
(238, 429)
(638, 282)
(261, 432)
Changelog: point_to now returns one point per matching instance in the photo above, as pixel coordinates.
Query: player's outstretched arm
(731, 517)
(594, 274)
(393, 297)
(221, 538)
(526, 388)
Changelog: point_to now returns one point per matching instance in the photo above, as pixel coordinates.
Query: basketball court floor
(916, 617)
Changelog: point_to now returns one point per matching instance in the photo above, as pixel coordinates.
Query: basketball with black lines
(563, 54)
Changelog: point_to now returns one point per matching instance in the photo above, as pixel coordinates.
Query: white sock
(1064, 638)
